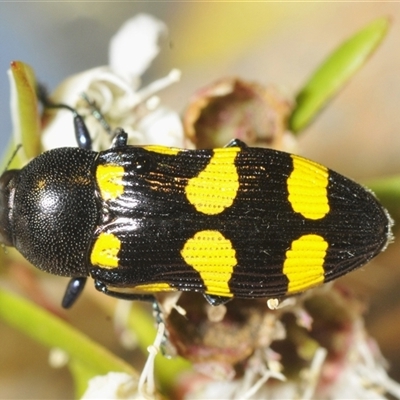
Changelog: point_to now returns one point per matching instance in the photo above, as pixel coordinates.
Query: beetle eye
(5, 223)
(142, 164)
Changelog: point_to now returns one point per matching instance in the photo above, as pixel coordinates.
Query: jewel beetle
(232, 222)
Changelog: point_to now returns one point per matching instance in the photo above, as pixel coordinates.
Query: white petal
(114, 385)
(135, 45)
(59, 132)
(70, 89)
(162, 127)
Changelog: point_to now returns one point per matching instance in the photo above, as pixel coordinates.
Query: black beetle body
(233, 222)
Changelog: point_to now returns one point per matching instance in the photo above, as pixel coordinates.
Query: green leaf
(13, 157)
(87, 358)
(81, 373)
(334, 73)
(24, 113)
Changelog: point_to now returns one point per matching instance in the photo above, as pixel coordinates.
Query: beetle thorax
(54, 211)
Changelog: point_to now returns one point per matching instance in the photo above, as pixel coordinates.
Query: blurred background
(270, 43)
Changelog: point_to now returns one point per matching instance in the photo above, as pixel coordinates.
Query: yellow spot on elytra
(304, 263)
(307, 186)
(213, 257)
(109, 178)
(154, 287)
(216, 186)
(105, 251)
(169, 151)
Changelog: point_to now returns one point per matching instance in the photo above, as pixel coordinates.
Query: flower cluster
(115, 90)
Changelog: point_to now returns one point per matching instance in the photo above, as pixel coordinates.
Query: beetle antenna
(44, 98)
(42, 94)
(18, 147)
(82, 134)
(97, 113)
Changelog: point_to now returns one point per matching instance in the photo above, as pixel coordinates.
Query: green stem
(86, 356)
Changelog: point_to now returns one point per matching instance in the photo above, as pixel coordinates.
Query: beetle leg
(120, 139)
(119, 135)
(82, 135)
(236, 143)
(167, 350)
(216, 300)
(96, 113)
(73, 291)
(102, 287)
(158, 315)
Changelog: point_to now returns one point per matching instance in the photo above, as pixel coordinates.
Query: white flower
(114, 90)
(132, 57)
(119, 385)
(114, 385)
